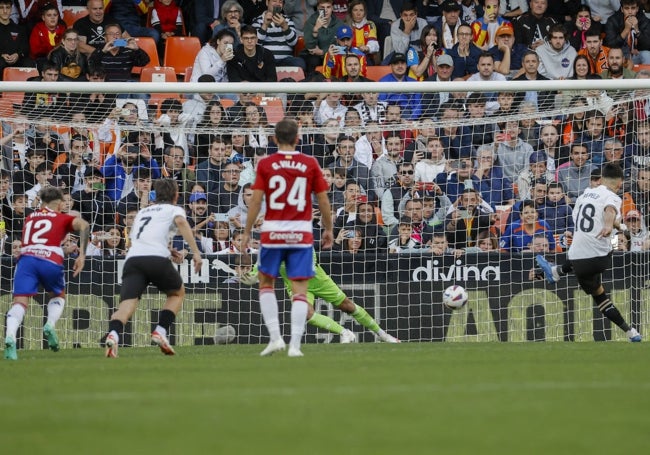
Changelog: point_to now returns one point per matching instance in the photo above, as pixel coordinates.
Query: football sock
(325, 323)
(115, 328)
(54, 310)
(165, 320)
(363, 318)
(606, 307)
(299, 309)
(15, 317)
(269, 309)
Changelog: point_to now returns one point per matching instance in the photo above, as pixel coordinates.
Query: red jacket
(39, 41)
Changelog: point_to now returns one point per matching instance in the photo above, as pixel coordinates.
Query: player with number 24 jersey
(288, 179)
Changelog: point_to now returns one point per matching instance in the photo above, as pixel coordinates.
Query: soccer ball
(454, 297)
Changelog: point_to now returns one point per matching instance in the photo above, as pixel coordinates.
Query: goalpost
(402, 291)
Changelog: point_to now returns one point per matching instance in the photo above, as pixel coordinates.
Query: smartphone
(152, 196)
(321, 13)
(340, 50)
(464, 214)
(351, 234)
(229, 47)
(277, 10)
(221, 217)
(132, 149)
(120, 42)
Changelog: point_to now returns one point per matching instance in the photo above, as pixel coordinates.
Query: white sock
(269, 308)
(15, 317)
(299, 307)
(161, 330)
(115, 335)
(55, 310)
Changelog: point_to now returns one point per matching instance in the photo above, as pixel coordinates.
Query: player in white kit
(148, 261)
(596, 214)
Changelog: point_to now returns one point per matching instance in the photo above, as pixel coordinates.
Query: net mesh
(400, 165)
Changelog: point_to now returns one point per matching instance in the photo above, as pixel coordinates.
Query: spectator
(70, 167)
(172, 125)
(543, 99)
(480, 131)
(456, 138)
(249, 169)
(638, 232)
(14, 44)
(174, 168)
(425, 64)
(431, 102)
(72, 64)
(206, 19)
(25, 178)
(92, 202)
(464, 53)
(405, 32)
(119, 168)
(582, 27)
(14, 144)
(320, 33)
(575, 176)
(460, 177)
(277, 33)
(167, 20)
(371, 145)
(447, 26)
(494, 188)
(127, 13)
(46, 34)
(405, 241)
(352, 195)
(629, 29)
(371, 108)
(331, 108)
(140, 195)
(226, 195)
(365, 32)
(213, 118)
(16, 220)
(91, 27)
(118, 61)
(557, 212)
(556, 55)
(537, 170)
(335, 62)
(384, 169)
(212, 59)
(354, 169)
(45, 104)
(396, 123)
(372, 237)
(519, 235)
(409, 102)
(394, 195)
(602, 10)
(594, 136)
(433, 161)
(640, 191)
(486, 73)
(485, 28)
(532, 27)
(208, 171)
(42, 176)
(549, 143)
(639, 150)
(595, 52)
(508, 55)
(255, 124)
(232, 14)
(512, 152)
(616, 63)
(251, 62)
(467, 218)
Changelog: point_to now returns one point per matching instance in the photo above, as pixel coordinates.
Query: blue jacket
(115, 175)
(411, 103)
(495, 188)
(516, 239)
(450, 185)
(558, 215)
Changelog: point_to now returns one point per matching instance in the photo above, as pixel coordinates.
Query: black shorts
(589, 272)
(140, 271)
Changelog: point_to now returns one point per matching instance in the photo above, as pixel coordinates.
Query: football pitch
(412, 398)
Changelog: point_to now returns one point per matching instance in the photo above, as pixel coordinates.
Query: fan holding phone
(277, 33)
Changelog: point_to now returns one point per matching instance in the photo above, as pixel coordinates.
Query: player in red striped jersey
(287, 180)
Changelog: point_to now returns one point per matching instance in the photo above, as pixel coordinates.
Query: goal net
(432, 184)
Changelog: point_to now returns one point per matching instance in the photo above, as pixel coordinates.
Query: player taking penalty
(148, 261)
(287, 180)
(596, 214)
(41, 264)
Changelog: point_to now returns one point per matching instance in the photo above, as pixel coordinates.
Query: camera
(87, 157)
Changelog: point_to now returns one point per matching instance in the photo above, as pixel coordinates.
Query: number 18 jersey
(589, 217)
(288, 180)
(153, 229)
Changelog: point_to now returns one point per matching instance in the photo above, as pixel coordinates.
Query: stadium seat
(158, 74)
(188, 74)
(17, 74)
(388, 46)
(273, 108)
(180, 52)
(638, 68)
(299, 47)
(294, 72)
(70, 16)
(377, 72)
(149, 46)
(319, 69)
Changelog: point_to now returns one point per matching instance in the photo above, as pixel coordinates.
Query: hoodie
(555, 64)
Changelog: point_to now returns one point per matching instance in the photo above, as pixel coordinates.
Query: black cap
(398, 57)
(451, 5)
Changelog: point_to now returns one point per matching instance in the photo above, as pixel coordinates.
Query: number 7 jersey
(288, 180)
(153, 229)
(589, 217)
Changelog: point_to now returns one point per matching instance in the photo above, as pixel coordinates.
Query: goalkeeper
(321, 285)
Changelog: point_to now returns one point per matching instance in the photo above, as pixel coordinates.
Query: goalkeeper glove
(249, 279)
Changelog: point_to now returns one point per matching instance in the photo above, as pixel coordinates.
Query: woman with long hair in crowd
(214, 118)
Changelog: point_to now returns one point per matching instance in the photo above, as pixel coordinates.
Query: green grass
(424, 398)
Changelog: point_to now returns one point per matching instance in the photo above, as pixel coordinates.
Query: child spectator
(519, 235)
(46, 34)
(406, 240)
(433, 163)
(167, 19)
(558, 214)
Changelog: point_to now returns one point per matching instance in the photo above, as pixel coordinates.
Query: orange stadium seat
(377, 72)
(299, 47)
(70, 16)
(188, 74)
(180, 52)
(294, 72)
(149, 46)
(273, 108)
(17, 74)
(158, 74)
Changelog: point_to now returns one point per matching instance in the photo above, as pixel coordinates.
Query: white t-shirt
(588, 217)
(153, 229)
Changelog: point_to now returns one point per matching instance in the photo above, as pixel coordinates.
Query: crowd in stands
(441, 173)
